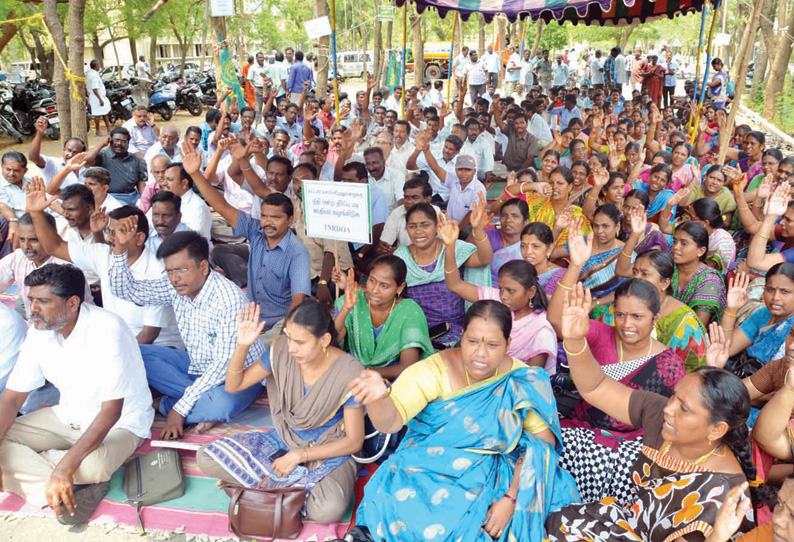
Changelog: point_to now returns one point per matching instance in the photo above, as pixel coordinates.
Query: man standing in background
(493, 65)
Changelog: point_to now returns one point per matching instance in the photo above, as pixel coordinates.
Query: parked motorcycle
(162, 100)
(120, 96)
(30, 102)
(7, 113)
(206, 82)
(188, 98)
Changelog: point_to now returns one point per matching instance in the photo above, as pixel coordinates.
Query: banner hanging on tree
(386, 13)
(394, 74)
(222, 8)
(228, 75)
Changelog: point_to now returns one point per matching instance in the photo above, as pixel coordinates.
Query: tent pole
(701, 98)
(700, 46)
(405, 58)
(451, 55)
(333, 60)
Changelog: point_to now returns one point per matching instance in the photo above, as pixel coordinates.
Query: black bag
(744, 365)
(564, 392)
(378, 446)
(153, 478)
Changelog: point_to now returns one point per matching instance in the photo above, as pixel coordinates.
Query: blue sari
(458, 458)
(659, 202)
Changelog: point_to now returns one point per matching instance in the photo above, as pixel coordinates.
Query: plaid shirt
(208, 323)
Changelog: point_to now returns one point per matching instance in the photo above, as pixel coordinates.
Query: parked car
(111, 72)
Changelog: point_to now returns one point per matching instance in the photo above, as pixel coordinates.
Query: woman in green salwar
(386, 332)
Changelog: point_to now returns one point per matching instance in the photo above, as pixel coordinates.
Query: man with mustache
(63, 456)
(150, 324)
(279, 266)
(195, 213)
(166, 219)
(127, 172)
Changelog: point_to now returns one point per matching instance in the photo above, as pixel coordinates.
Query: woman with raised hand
(377, 325)
(659, 178)
(505, 241)
(652, 237)
(580, 171)
(537, 242)
(695, 283)
(532, 339)
(479, 460)
(599, 450)
(778, 205)
(317, 426)
(551, 210)
(424, 259)
(762, 337)
(695, 448)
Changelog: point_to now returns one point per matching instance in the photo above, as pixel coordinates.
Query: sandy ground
(34, 529)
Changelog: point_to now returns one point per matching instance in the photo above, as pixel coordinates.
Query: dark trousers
(5, 243)
(233, 259)
(493, 79)
(475, 91)
(667, 94)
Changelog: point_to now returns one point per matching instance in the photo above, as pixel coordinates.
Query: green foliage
(784, 118)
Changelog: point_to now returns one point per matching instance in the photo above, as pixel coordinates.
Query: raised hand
(423, 141)
(76, 162)
(41, 125)
(600, 177)
(448, 230)
(716, 346)
(356, 129)
(579, 248)
(778, 203)
(98, 220)
(512, 178)
(737, 292)
(249, 328)
(563, 219)
(339, 278)
(226, 143)
(36, 198)
(575, 313)
(639, 221)
(126, 230)
(306, 85)
(765, 188)
(351, 290)
(191, 159)
(371, 83)
(239, 150)
(731, 514)
(368, 387)
(480, 216)
(678, 197)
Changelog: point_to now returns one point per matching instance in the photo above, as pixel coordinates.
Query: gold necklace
(412, 250)
(702, 459)
(620, 349)
(369, 307)
(468, 380)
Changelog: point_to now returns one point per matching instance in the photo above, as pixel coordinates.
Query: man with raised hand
(206, 306)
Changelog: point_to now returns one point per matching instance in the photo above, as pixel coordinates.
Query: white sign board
(317, 28)
(721, 39)
(339, 211)
(222, 8)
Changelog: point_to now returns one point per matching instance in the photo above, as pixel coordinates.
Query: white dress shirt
(96, 258)
(400, 156)
(99, 361)
(391, 183)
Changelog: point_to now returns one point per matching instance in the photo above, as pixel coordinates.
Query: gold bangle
(579, 353)
(764, 237)
(235, 370)
(727, 329)
(626, 255)
(249, 169)
(594, 199)
(564, 287)
(305, 455)
(484, 237)
(449, 272)
(730, 314)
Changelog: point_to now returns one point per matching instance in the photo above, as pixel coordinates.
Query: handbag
(265, 513)
(153, 478)
(565, 393)
(744, 365)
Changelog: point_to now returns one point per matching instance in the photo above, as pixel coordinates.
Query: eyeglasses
(178, 272)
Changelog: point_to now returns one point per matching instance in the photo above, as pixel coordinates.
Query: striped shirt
(207, 324)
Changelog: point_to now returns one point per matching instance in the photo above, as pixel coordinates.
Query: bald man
(166, 146)
(155, 183)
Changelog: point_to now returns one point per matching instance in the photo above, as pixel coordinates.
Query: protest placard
(317, 28)
(339, 211)
(222, 8)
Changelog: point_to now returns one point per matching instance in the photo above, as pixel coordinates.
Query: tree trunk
(76, 61)
(153, 52)
(480, 35)
(96, 46)
(418, 48)
(761, 61)
(133, 49)
(386, 51)
(9, 30)
(324, 52)
(45, 70)
(627, 32)
(541, 24)
(377, 47)
(777, 75)
(203, 54)
(501, 26)
(59, 81)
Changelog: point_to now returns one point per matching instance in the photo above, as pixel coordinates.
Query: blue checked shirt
(275, 274)
(207, 324)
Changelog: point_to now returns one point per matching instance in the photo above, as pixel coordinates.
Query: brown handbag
(265, 513)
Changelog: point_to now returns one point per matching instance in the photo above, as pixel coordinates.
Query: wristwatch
(322, 282)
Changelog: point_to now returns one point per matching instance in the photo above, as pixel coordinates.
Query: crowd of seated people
(578, 332)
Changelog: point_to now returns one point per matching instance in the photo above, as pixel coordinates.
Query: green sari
(406, 327)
